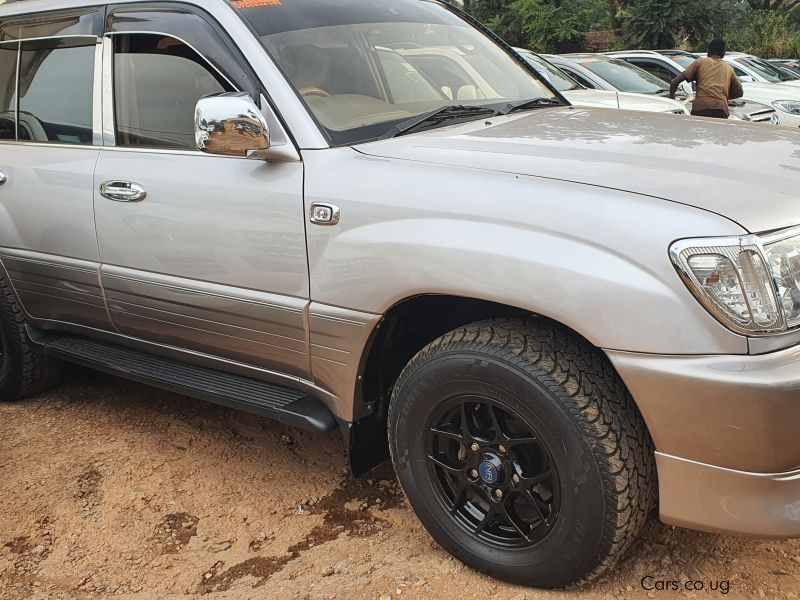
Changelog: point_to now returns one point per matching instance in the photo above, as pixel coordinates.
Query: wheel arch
(405, 329)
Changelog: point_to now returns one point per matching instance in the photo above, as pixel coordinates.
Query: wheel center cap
(491, 469)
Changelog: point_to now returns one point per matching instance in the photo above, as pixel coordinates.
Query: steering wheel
(314, 91)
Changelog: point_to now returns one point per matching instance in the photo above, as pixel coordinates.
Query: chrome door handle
(123, 191)
(3, 177)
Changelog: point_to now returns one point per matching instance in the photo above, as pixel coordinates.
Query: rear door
(206, 253)
(50, 132)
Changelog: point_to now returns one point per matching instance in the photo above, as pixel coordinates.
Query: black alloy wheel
(492, 472)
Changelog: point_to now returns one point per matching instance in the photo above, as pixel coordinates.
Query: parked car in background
(683, 58)
(751, 69)
(791, 64)
(581, 96)
(668, 66)
(590, 68)
(598, 71)
(658, 65)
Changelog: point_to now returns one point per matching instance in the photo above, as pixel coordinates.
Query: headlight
(789, 106)
(750, 283)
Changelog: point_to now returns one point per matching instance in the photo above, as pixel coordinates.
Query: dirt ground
(108, 488)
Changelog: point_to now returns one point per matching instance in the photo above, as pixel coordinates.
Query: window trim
(51, 37)
(17, 90)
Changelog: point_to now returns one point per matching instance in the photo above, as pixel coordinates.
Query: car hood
(608, 99)
(747, 173)
(773, 91)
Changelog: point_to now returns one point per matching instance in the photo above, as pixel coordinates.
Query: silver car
(554, 319)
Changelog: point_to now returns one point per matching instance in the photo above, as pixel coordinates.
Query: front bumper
(727, 435)
(720, 500)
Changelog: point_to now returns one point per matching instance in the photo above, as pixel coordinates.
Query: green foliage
(768, 34)
(543, 25)
(560, 25)
(655, 24)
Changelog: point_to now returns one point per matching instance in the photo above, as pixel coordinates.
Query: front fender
(593, 259)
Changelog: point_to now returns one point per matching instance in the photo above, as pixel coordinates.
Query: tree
(654, 24)
(776, 5)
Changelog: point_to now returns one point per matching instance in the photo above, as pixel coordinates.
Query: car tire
(23, 371)
(532, 398)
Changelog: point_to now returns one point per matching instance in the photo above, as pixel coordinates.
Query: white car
(663, 67)
(669, 66)
(581, 96)
(751, 69)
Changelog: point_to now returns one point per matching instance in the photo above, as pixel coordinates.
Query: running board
(289, 406)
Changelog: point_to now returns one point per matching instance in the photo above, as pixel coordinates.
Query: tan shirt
(716, 84)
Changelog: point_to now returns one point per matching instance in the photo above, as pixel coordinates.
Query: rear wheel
(23, 371)
(522, 452)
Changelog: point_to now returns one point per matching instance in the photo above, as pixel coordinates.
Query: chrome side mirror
(230, 124)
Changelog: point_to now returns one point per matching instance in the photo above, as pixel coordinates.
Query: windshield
(557, 78)
(683, 60)
(766, 70)
(364, 66)
(625, 76)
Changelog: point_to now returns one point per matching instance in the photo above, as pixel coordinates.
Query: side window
(580, 79)
(8, 91)
(157, 83)
(738, 71)
(55, 92)
(654, 69)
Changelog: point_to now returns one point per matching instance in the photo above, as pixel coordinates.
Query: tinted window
(157, 83)
(557, 78)
(683, 60)
(8, 85)
(53, 25)
(55, 87)
(195, 28)
(582, 80)
(624, 76)
(767, 71)
(656, 69)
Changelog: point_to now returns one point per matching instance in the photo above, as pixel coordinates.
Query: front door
(200, 252)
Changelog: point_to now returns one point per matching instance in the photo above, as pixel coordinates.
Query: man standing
(716, 83)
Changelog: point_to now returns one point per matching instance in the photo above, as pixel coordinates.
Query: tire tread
(32, 372)
(590, 391)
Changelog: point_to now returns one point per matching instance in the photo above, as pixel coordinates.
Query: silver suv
(554, 318)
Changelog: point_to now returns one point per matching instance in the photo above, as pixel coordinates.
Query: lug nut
(475, 448)
(502, 449)
(515, 479)
(474, 474)
(498, 493)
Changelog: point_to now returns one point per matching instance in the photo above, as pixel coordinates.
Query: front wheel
(522, 452)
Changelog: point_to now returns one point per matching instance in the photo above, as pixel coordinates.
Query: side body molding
(56, 289)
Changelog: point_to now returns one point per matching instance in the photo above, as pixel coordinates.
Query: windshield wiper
(528, 104)
(437, 117)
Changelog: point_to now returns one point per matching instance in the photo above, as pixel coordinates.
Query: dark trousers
(714, 113)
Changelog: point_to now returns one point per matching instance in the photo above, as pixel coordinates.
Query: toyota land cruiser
(553, 318)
